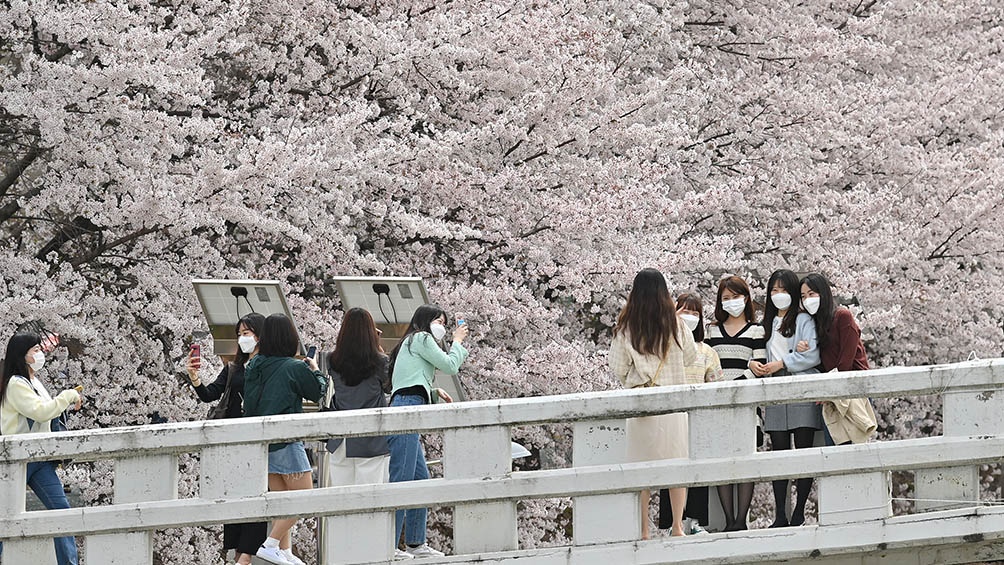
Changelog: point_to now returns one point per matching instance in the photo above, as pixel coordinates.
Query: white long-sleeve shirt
(23, 402)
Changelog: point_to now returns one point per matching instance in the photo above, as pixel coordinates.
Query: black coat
(213, 391)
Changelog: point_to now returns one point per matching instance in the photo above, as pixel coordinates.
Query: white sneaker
(402, 555)
(288, 554)
(272, 555)
(424, 551)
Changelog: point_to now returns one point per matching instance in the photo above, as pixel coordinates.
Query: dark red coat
(843, 350)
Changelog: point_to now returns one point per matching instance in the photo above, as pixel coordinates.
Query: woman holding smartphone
(738, 340)
(25, 408)
(413, 364)
(244, 538)
(652, 347)
(276, 383)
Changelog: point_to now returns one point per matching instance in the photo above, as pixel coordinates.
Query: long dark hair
(254, 322)
(691, 301)
(789, 282)
(420, 322)
(649, 315)
(13, 361)
(278, 337)
(738, 286)
(357, 350)
(827, 307)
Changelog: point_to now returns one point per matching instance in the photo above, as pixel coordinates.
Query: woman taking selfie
(738, 340)
(652, 347)
(26, 407)
(276, 383)
(413, 364)
(228, 388)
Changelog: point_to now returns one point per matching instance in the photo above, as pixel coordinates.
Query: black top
(214, 390)
(367, 394)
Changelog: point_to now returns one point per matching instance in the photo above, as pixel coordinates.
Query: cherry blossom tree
(526, 158)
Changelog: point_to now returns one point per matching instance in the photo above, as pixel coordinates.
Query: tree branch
(97, 252)
(17, 170)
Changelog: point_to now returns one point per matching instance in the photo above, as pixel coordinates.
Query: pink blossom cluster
(526, 158)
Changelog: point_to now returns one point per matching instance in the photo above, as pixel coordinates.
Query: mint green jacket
(418, 359)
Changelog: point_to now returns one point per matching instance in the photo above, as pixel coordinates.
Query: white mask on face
(782, 300)
(38, 360)
(691, 321)
(811, 305)
(734, 307)
(438, 331)
(247, 343)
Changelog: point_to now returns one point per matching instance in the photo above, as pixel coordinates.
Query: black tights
(735, 521)
(780, 441)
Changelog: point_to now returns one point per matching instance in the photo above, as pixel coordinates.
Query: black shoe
(779, 523)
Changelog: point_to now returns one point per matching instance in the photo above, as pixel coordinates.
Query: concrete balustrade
(854, 506)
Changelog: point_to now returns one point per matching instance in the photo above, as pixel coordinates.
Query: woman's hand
(802, 346)
(443, 395)
(758, 368)
(80, 401)
(773, 367)
(194, 362)
(311, 363)
(460, 334)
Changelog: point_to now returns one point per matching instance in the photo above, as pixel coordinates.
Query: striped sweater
(736, 351)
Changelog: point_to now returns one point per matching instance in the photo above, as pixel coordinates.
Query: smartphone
(461, 322)
(79, 388)
(312, 351)
(196, 353)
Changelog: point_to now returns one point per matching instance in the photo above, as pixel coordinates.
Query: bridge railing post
(481, 453)
(721, 432)
(13, 483)
(603, 518)
(144, 478)
(844, 499)
(964, 414)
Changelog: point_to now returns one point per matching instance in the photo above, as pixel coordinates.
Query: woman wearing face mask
(706, 368)
(26, 407)
(738, 340)
(275, 382)
(412, 365)
(651, 347)
(785, 326)
(837, 333)
(244, 539)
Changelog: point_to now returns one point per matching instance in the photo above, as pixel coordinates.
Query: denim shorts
(289, 460)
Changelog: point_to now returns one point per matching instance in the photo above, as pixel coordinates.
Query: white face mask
(691, 321)
(811, 305)
(782, 300)
(734, 307)
(38, 360)
(247, 343)
(438, 331)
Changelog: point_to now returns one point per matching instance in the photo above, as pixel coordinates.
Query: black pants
(697, 507)
(245, 538)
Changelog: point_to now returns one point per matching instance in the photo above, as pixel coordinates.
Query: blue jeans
(407, 463)
(43, 480)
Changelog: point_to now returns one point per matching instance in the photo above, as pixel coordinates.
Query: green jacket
(278, 385)
(418, 359)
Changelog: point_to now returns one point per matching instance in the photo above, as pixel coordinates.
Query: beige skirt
(657, 437)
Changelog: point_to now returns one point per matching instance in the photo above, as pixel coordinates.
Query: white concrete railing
(854, 507)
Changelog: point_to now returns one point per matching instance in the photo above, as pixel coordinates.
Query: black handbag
(219, 411)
